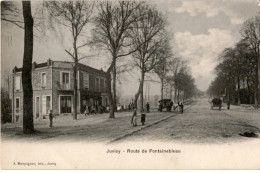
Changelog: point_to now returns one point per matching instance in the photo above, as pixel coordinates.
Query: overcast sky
(201, 30)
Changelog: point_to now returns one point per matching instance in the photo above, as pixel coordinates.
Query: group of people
(130, 106)
(93, 109)
(134, 118)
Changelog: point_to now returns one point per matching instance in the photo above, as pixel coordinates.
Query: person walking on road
(143, 118)
(147, 107)
(181, 107)
(170, 106)
(134, 118)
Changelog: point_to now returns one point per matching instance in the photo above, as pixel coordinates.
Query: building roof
(82, 67)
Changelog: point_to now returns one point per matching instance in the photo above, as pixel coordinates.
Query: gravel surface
(200, 124)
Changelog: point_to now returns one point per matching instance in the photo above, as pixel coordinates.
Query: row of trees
(122, 29)
(238, 73)
(175, 77)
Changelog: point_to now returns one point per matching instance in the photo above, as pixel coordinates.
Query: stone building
(53, 84)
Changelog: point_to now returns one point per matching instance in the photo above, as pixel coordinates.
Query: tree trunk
(175, 93)
(178, 95)
(137, 95)
(257, 81)
(139, 92)
(161, 89)
(111, 103)
(28, 126)
(114, 88)
(109, 91)
(171, 92)
(75, 93)
(238, 91)
(142, 91)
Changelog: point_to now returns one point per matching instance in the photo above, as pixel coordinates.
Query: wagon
(216, 102)
(165, 103)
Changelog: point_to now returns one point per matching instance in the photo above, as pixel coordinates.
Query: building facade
(53, 87)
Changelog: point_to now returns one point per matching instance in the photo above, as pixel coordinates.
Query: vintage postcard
(161, 84)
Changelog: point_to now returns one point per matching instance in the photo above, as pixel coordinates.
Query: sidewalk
(93, 128)
(67, 120)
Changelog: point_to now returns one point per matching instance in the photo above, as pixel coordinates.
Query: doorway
(65, 104)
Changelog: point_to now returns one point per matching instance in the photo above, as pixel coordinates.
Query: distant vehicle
(216, 102)
(165, 103)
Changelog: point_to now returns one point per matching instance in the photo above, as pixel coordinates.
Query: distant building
(53, 84)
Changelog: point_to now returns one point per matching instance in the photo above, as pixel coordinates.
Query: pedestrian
(93, 109)
(51, 118)
(129, 107)
(143, 118)
(160, 107)
(181, 107)
(147, 107)
(89, 110)
(171, 104)
(134, 118)
(119, 107)
(228, 104)
(86, 112)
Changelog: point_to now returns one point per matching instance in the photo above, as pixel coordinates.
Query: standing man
(86, 112)
(181, 107)
(228, 104)
(143, 118)
(134, 118)
(147, 107)
(171, 104)
(51, 118)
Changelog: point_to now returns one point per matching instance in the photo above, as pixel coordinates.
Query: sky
(201, 29)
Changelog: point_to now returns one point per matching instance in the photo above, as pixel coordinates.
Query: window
(17, 83)
(65, 77)
(43, 79)
(97, 84)
(105, 85)
(17, 105)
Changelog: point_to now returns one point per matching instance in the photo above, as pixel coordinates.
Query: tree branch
(70, 54)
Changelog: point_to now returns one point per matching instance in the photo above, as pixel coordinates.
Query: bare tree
(179, 65)
(162, 68)
(11, 13)
(112, 26)
(251, 32)
(28, 126)
(74, 15)
(22, 18)
(173, 68)
(149, 31)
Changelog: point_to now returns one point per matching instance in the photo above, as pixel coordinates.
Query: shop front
(90, 99)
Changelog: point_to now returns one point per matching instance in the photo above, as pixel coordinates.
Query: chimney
(15, 69)
(49, 62)
(33, 65)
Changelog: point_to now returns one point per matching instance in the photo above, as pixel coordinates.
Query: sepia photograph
(130, 84)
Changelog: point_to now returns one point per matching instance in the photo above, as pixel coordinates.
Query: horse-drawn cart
(216, 102)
